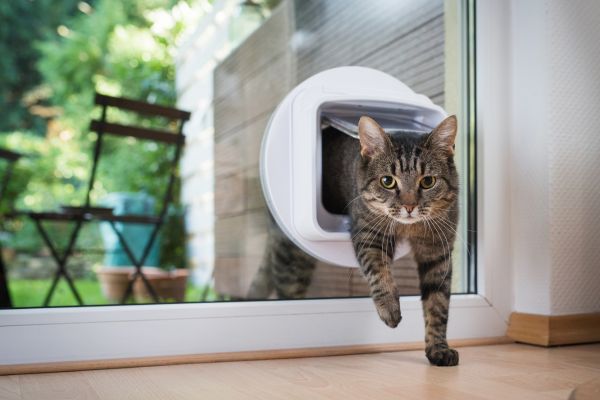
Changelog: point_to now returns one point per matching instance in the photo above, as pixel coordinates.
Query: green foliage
(31, 293)
(23, 23)
(173, 235)
(113, 50)
(49, 174)
(120, 48)
(69, 63)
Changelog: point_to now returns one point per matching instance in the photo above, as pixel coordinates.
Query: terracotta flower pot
(168, 285)
(113, 282)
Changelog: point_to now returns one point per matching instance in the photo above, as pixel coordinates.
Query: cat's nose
(409, 208)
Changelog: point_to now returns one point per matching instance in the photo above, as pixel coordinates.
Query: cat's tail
(285, 269)
(262, 283)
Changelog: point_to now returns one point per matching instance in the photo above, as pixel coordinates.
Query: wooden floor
(503, 372)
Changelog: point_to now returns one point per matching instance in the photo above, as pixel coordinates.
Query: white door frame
(113, 332)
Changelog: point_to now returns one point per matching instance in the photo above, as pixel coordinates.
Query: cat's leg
(435, 275)
(374, 252)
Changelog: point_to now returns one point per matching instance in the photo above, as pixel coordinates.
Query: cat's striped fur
(285, 268)
(380, 215)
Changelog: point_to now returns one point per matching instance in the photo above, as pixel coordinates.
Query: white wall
(528, 160)
(554, 156)
(573, 34)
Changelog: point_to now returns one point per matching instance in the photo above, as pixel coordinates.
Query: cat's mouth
(407, 220)
(404, 216)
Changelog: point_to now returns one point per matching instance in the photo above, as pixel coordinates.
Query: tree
(23, 24)
(114, 50)
(121, 48)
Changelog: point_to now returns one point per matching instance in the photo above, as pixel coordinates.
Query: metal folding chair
(88, 212)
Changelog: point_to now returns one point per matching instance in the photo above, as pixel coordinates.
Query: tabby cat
(397, 186)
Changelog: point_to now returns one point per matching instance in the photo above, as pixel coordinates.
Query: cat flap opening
(342, 119)
(296, 140)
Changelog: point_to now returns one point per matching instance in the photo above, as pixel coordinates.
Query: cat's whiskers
(454, 208)
(395, 213)
(384, 252)
(385, 245)
(441, 217)
(439, 232)
(440, 222)
(373, 230)
(434, 231)
(367, 226)
(377, 230)
(373, 233)
(352, 201)
(428, 227)
(448, 224)
(447, 250)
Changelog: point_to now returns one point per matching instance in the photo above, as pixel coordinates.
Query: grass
(32, 292)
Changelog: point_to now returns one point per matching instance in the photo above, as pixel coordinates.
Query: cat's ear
(373, 139)
(443, 136)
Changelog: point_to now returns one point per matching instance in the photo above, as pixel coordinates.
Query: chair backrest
(104, 127)
(152, 110)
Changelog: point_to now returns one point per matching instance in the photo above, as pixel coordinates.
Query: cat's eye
(427, 182)
(388, 182)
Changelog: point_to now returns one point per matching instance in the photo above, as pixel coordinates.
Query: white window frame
(116, 332)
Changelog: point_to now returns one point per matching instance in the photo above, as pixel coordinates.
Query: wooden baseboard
(554, 330)
(70, 366)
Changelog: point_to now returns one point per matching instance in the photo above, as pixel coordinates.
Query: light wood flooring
(504, 372)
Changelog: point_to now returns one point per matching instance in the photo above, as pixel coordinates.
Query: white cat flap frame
(290, 166)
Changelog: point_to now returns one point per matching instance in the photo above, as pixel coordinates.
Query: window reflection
(232, 67)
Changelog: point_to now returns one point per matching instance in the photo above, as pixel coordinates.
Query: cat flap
(291, 152)
(348, 123)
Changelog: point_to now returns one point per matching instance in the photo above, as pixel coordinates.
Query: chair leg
(138, 268)
(139, 274)
(5, 301)
(129, 288)
(73, 288)
(52, 288)
(61, 262)
(148, 285)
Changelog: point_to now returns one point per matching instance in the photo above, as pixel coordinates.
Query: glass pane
(229, 63)
(406, 39)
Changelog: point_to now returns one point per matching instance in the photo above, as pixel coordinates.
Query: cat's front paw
(388, 308)
(442, 355)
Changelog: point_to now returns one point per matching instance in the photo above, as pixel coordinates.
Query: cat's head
(408, 176)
